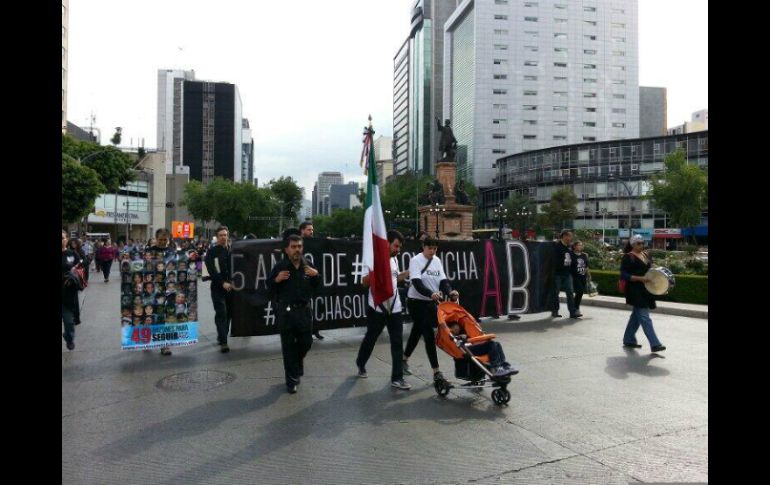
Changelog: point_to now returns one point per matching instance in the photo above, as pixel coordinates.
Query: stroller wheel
(500, 396)
(442, 387)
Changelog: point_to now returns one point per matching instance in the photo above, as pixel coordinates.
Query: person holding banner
(563, 275)
(292, 281)
(306, 231)
(162, 246)
(218, 266)
(429, 286)
(388, 314)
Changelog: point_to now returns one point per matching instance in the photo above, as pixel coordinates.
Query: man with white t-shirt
(387, 314)
(429, 286)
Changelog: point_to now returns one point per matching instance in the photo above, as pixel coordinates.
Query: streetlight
(437, 209)
(603, 211)
(387, 219)
(525, 213)
(500, 212)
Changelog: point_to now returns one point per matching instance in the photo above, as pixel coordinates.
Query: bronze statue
(424, 198)
(461, 197)
(437, 193)
(447, 145)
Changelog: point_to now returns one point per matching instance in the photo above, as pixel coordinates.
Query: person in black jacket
(69, 291)
(292, 282)
(218, 266)
(563, 275)
(581, 275)
(633, 268)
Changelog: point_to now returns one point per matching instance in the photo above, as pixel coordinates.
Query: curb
(662, 308)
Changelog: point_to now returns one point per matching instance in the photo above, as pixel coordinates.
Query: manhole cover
(199, 380)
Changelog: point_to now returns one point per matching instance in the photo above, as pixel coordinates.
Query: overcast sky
(309, 72)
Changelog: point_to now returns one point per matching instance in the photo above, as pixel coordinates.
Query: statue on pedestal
(436, 193)
(461, 197)
(447, 145)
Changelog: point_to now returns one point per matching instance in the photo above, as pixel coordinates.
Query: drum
(592, 289)
(661, 281)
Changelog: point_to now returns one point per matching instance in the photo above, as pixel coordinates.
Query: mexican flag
(376, 248)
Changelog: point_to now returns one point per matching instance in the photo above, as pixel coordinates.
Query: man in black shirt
(292, 282)
(563, 275)
(218, 266)
(306, 231)
(69, 292)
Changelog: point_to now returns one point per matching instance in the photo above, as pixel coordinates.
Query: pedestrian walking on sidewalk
(581, 275)
(69, 291)
(218, 266)
(563, 275)
(106, 255)
(633, 268)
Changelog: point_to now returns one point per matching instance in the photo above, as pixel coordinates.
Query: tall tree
(562, 208)
(80, 186)
(522, 212)
(288, 195)
(681, 190)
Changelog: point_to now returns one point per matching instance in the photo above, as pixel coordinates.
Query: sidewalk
(666, 307)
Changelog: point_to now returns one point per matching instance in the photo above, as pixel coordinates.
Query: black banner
(493, 278)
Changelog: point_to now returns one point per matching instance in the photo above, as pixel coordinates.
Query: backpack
(78, 277)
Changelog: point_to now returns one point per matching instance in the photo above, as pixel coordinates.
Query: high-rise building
(321, 191)
(698, 122)
(247, 153)
(343, 196)
(527, 75)
(170, 120)
(383, 157)
(419, 64)
(65, 4)
(212, 130)
(653, 111)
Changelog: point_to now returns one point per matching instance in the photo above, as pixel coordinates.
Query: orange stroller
(468, 367)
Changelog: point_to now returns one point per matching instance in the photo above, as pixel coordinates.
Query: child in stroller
(477, 357)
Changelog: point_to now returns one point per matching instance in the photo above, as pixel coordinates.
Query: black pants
(106, 266)
(87, 266)
(580, 288)
(424, 317)
(223, 304)
(296, 329)
(69, 304)
(375, 322)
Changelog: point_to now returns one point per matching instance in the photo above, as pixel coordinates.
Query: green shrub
(688, 288)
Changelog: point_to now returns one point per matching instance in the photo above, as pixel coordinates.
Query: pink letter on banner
(490, 263)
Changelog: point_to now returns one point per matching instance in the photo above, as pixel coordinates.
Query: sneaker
(225, 349)
(575, 315)
(658, 348)
(578, 315)
(165, 351)
(362, 373)
(555, 315)
(106, 281)
(292, 388)
(71, 345)
(438, 376)
(318, 335)
(632, 346)
(510, 369)
(401, 384)
(405, 368)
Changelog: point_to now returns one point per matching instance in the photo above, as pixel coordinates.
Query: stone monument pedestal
(455, 221)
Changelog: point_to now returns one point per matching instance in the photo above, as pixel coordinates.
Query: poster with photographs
(158, 300)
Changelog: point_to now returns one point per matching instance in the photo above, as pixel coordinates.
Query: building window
(589, 9)
(618, 68)
(589, 66)
(499, 106)
(589, 37)
(499, 121)
(589, 95)
(500, 61)
(531, 48)
(501, 2)
(618, 125)
(560, 108)
(619, 110)
(589, 52)
(531, 33)
(589, 80)
(618, 25)
(529, 92)
(529, 107)
(529, 4)
(589, 138)
(560, 94)
(560, 78)
(559, 137)
(560, 35)
(560, 49)
(619, 96)
(498, 151)
(530, 19)
(560, 123)
(501, 32)
(618, 10)
(619, 53)
(590, 110)
(618, 81)
(530, 137)
(530, 63)
(560, 21)
(560, 6)
(530, 122)
(619, 39)
(560, 64)
(498, 136)
(500, 76)
(589, 124)
(501, 17)
(590, 22)
(530, 78)
(499, 91)
(501, 47)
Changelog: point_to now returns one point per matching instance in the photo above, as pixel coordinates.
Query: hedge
(688, 288)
